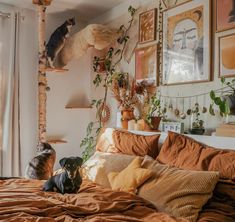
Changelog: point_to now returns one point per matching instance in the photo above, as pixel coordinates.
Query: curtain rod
(6, 15)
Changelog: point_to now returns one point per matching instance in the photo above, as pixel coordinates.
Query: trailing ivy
(112, 58)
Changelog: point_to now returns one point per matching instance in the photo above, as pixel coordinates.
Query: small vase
(126, 116)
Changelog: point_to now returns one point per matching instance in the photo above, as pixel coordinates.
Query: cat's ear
(47, 146)
(72, 21)
(63, 162)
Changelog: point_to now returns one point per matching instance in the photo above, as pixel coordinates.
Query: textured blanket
(23, 200)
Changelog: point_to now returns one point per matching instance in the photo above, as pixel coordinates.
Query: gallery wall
(118, 16)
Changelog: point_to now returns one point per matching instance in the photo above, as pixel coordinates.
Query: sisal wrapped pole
(42, 79)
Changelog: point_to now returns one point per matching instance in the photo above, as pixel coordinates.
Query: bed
(24, 200)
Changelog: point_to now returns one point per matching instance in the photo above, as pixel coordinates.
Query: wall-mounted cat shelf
(60, 70)
(78, 107)
(56, 141)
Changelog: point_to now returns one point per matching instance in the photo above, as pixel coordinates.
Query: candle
(131, 124)
(140, 125)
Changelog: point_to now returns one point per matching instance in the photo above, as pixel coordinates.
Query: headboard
(214, 141)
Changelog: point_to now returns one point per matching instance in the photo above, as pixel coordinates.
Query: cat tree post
(42, 80)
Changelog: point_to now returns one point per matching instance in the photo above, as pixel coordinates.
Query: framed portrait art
(226, 55)
(146, 64)
(187, 43)
(147, 26)
(225, 15)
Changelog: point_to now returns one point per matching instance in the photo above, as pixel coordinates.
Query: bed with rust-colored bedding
(23, 200)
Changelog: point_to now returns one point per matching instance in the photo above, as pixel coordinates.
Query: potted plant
(197, 124)
(154, 114)
(125, 94)
(224, 98)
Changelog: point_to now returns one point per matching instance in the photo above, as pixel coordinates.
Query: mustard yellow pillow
(130, 178)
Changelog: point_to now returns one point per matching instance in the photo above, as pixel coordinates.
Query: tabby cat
(57, 40)
(41, 166)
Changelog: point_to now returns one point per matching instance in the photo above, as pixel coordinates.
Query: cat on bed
(41, 166)
(69, 181)
(57, 40)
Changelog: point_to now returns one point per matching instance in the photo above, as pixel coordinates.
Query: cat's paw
(50, 63)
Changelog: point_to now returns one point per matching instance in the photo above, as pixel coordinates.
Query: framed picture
(147, 26)
(146, 64)
(225, 15)
(187, 43)
(226, 55)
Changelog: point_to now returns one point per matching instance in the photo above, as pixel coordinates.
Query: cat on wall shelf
(57, 41)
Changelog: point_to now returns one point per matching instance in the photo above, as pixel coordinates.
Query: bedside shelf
(58, 70)
(56, 141)
(78, 107)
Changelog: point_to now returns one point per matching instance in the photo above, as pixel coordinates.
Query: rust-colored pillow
(117, 141)
(186, 153)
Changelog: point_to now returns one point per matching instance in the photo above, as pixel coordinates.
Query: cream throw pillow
(181, 193)
(130, 178)
(101, 164)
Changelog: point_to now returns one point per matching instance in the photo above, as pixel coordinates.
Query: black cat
(57, 40)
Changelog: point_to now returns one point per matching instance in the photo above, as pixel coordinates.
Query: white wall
(72, 87)
(118, 16)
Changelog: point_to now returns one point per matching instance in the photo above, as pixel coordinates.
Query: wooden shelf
(56, 141)
(60, 70)
(78, 107)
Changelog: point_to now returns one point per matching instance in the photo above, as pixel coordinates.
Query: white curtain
(9, 95)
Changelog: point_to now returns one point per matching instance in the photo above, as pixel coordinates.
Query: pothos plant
(155, 109)
(220, 97)
(112, 58)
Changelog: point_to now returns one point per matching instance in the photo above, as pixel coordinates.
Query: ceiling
(86, 9)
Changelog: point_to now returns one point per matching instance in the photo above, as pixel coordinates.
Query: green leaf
(89, 128)
(222, 80)
(217, 101)
(224, 108)
(97, 80)
(121, 27)
(212, 94)
(211, 110)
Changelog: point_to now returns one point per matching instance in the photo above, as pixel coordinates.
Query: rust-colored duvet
(23, 200)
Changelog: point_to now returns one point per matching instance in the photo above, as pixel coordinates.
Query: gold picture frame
(147, 26)
(146, 64)
(187, 37)
(225, 15)
(226, 54)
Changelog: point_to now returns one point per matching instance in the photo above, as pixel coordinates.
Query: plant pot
(155, 122)
(231, 103)
(197, 131)
(127, 115)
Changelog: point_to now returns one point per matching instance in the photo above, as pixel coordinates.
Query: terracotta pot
(155, 122)
(126, 116)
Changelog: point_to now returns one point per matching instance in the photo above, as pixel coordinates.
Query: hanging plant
(110, 62)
